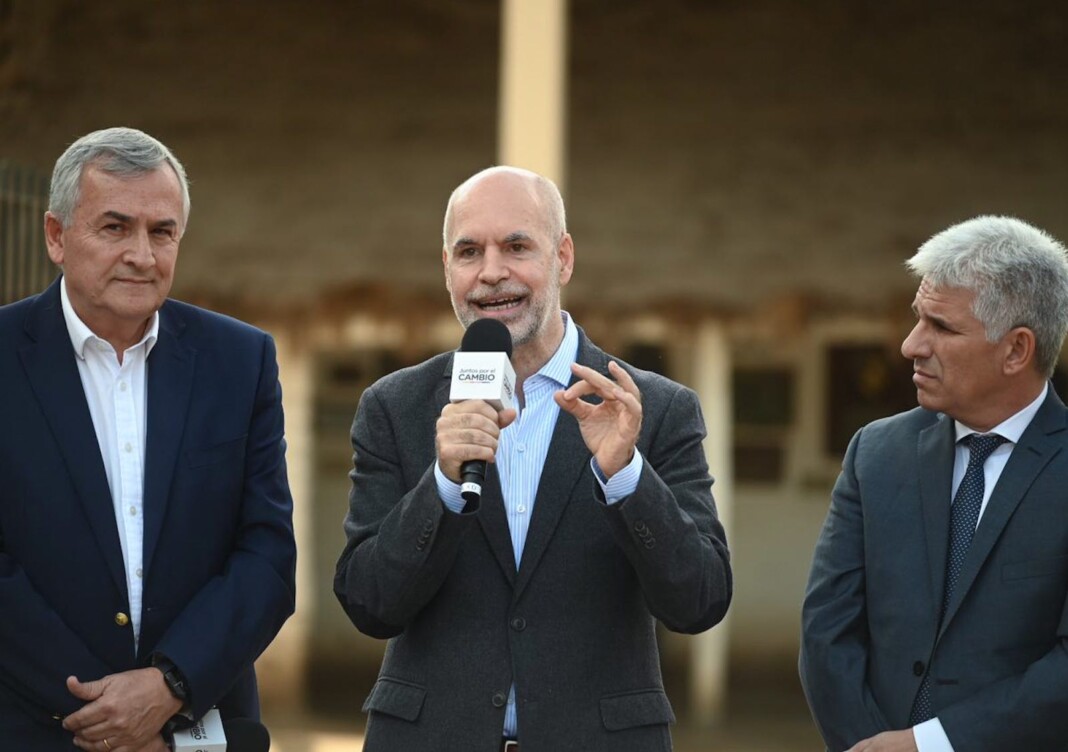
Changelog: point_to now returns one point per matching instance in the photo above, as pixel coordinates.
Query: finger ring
(106, 745)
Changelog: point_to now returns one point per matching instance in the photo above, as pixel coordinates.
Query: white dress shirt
(930, 736)
(116, 394)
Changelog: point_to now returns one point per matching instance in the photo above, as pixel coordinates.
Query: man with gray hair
(936, 616)
(146, 544)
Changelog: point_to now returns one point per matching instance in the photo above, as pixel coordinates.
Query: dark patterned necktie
(962, 524)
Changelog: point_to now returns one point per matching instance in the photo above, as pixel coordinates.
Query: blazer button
(918, 668)
(519, 624)
(499, 700)
(639, 526)
(122, 619)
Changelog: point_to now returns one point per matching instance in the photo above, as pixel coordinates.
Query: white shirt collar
(1012, 428)
(80, 333)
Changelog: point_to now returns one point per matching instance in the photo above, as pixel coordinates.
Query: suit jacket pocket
(227, 450)
(1034, 568)
(396, 697)
(645, 707)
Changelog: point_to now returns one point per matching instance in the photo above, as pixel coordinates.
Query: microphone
(246, 735)
(481, 370)
(212, 734)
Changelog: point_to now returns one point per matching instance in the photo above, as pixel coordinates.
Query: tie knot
(981, 445)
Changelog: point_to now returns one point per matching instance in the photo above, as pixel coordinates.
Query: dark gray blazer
(999, 660)
(574, 627)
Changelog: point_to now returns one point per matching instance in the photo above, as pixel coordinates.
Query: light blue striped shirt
(521, 454)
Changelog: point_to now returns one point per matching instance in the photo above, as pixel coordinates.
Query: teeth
(500, 303)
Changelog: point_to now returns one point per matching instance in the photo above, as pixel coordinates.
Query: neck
(1008, 405)
(528, 359)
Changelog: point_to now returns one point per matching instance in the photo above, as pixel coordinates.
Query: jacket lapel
(568, 457)
(491, 516)
(170, 381)
(1033, 452)
(935, 462)
(52, 371)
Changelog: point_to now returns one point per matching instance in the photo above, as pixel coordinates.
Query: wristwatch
(173, 677)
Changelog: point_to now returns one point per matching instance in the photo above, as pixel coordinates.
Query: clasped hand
(124, 712)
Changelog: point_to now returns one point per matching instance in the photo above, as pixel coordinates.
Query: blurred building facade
(744, 181)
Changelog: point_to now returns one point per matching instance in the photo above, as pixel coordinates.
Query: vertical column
(532, 92)
(712, 380)
(282, 666)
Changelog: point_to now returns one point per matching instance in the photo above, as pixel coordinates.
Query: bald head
(545, 194)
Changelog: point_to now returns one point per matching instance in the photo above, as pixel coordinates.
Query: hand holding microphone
(482, 396)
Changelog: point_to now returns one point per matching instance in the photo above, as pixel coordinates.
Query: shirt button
(122, 386)
(521, 447)
(140, 573)
(521, 509)
(133, 511)
(128, 447)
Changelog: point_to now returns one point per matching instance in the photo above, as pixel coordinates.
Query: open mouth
(500, 304)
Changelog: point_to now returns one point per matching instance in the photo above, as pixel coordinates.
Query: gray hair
(1019, 275)
(548, 195)
(125, 152)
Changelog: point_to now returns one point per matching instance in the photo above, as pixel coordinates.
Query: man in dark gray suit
(529, 619)
(936, 616)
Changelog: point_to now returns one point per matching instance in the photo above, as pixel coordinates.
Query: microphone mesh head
(487, 335)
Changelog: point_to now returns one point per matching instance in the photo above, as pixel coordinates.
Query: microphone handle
(472, 476)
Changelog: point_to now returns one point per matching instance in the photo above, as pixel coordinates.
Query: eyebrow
(127, 219)
(512, 237)
(938, 320)
(119, 216)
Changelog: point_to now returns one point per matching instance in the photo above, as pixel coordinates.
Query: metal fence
(25, 268)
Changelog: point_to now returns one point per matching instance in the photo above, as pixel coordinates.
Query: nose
(494, 266)
(139, 253)
(914, 346)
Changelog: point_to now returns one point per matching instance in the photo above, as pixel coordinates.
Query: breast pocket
(1023, 570)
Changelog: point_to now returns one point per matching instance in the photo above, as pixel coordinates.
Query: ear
(445, 267)
(53, 231)
(1019, 344)
(566, 254)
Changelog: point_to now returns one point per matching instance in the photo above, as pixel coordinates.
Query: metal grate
(25, 268)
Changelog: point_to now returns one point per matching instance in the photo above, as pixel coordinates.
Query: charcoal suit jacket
(998, 659)
(574, 627)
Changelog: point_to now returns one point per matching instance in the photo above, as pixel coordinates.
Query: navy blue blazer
(219, 553)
